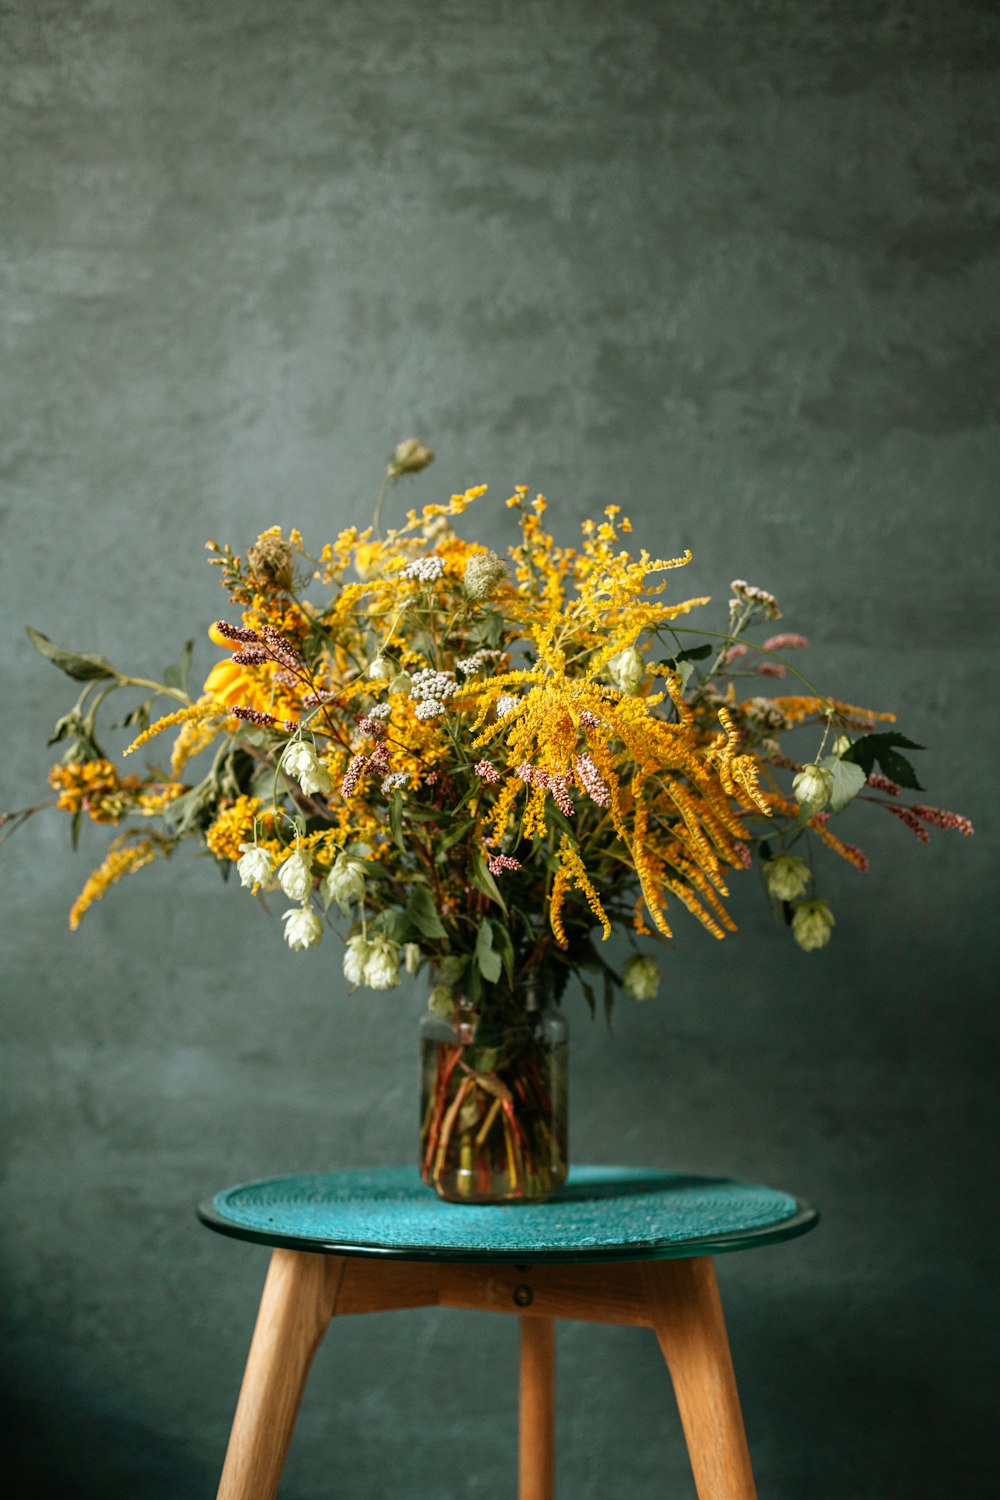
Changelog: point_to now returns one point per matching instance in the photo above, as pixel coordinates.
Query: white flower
(813, 786)
(641, 977)
(787, 877)
(303, 765)
(355, 958)
(505, 703)
(812, 925)
(409, 457)
(345, 884)
(303, 928)
(626, 671)
(841, 745)
(411, 957)
(380, 670)
(382, 963)
(254, 867)
(295, 876)
(424, 569)
(484, 573)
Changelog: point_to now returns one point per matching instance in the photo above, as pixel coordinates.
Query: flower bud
(380, 670)
(255, 867)
(345, 884)
(381, 971)
(303, 765)
(410, 457)
(484, 573)
(355, 958)
(787, 877)
(295, 876)
(303, 928)
(812, 925)
(812, 787)
(441, 1001)
(270, 558)
(627, 670)
(841, 744)
(641, 977)
(411, 957)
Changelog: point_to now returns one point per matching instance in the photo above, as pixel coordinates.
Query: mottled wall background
(732, 264)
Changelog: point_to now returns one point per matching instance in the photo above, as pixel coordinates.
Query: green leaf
(504, 946)
(70, 723)
(882, 748)
(421, 914)
(483, 880)
(488, 960)
(451, 838)
(848, 779)
(452, 968)
(691, 653)
(136, 718)
(396, 820)
(589, 996)
(177, 675)
(83, 666)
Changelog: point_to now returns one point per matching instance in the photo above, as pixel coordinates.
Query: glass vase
(494, 1104)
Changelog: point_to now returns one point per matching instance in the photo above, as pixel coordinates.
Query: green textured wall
(733, 264)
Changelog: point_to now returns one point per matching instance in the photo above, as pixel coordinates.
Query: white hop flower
(345, 884)
(303, 765)
(841, 745)
(382, 964)
(627, 670)
(411, 957)
(295, 876)
(355, 958)
(255, 867)
(303, 928)
(787, 877)
(812, 925)
(641, 977)
(813, 786)
(380, 670)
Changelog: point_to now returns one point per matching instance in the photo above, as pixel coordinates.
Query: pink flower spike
(882, 783)
(497, 863)
(908, 816)
(786, 642)
(942, 819)
(352, 775)
(771, 669)
(486, 771)
(733, 654)
(252, 715)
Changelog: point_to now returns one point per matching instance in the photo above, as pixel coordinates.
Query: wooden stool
(616, 1245)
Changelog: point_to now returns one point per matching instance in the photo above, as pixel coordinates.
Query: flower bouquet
(479, 767)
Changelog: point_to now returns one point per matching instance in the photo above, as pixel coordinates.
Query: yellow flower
(233, 827)
(121, 860)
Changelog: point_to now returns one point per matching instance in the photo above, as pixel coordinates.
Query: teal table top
(602, 1214)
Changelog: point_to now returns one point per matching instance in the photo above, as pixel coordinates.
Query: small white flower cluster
(378, 711)
(372, 961)
(393, 780)
(470, 665)
(424, 569)
(431, 691)
(756, 598)
(504, 705)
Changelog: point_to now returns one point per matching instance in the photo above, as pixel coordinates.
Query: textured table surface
(602, 1214)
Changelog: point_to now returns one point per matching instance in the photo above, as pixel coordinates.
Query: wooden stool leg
(298, 1301)
(686, 1313)
(537, 1465)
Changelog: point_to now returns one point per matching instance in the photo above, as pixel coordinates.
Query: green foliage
(848, 779)
(883, 748)
(422, 916)
(83, 666)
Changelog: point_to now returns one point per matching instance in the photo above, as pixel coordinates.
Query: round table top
(602, 1214)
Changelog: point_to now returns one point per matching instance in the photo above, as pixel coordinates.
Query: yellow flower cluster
(233, 827)
(95, 787)
(122, 859)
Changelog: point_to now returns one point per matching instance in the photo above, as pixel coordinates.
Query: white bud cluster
(393, 780)
(505, 703)
(470, 665)
(431, 690)
(424, 569)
